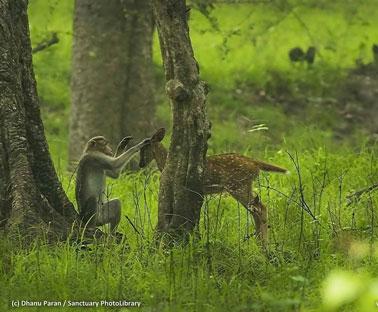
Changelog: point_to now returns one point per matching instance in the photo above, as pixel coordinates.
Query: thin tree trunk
(112, 74)
(32, 199)
(181, 190)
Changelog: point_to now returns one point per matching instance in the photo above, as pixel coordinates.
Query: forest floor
(320, 122)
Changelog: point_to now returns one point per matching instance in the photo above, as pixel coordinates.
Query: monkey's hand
(126, 140)
(123, 145)
(146, 142)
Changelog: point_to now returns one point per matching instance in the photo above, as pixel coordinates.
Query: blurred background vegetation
(318, 120)
(243, 51)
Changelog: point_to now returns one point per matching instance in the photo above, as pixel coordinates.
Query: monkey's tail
(269, 167)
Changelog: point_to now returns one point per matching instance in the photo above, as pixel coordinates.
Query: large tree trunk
(181, 190)
(31, 197)
(112, 74)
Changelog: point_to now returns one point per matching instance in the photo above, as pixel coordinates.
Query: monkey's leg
(88, 212)
(109, 212)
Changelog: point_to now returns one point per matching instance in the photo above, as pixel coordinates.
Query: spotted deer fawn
(231, 173)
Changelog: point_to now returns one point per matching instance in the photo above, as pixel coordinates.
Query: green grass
(249, 51)
(225, 270)
(329, 264)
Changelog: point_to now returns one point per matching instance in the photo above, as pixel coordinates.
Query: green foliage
(52, 66)
(254, 40)
(247, 52)
(341, 288)
(323, 252)
(225, 270)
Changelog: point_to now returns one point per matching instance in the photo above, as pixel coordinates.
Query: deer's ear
(158, 136)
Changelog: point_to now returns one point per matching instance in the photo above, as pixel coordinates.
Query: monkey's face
(99, 144)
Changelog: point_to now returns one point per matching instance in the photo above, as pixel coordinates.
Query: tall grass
(322, 253)
(313, 231)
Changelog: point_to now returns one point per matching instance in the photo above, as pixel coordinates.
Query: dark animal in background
(368, 70)
(298, 55)
(375, 53)
(310, 55)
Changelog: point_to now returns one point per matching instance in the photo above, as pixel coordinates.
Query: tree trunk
(32, 199)
(112, 73)
(181, 190)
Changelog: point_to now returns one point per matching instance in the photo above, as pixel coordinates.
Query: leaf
(299, 278)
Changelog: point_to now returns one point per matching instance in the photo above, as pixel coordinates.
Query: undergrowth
(322, 254)
(314, 231)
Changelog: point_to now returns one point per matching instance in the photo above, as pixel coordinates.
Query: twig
(355, 197)
(134, 227)
(46, 43)
(303, 202)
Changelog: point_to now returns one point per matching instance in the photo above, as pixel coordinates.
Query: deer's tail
(269, 167)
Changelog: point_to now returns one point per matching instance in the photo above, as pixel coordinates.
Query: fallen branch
(46, 43)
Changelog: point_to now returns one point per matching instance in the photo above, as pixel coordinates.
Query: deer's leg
(258, 210)
(261, 219)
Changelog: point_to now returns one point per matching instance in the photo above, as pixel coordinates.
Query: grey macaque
(96, 163)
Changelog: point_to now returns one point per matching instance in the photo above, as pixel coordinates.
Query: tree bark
(181, 190)
(32, 199)
(112, 72)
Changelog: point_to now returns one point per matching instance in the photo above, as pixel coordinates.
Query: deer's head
(147, 152)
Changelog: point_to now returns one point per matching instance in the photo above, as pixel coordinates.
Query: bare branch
(46, 43)
(355, 197)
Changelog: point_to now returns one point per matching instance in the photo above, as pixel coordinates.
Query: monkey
(96, 163)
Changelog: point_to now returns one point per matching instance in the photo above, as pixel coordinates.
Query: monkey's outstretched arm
(121, 161)
(101, 160)
(120, 147)
(115, 164)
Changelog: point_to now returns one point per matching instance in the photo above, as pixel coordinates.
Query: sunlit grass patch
(352, 291)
